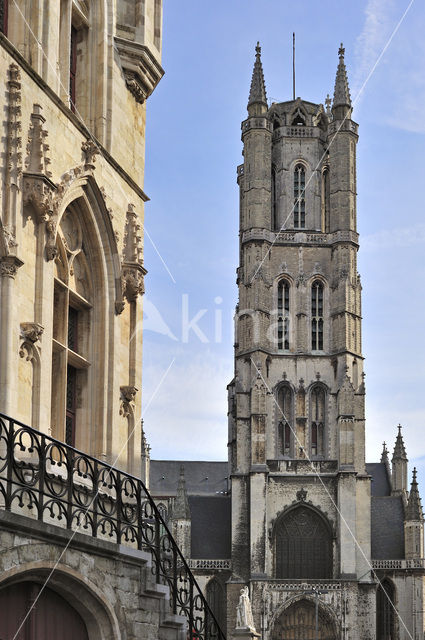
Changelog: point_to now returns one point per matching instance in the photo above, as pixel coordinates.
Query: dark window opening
(285, 404)
(73, 329)
(317, 420)
(71, 405)
(385, 611)
(73, 68)
(299, 197)
(4, 6)
(216, 599)
(317, 316)
(283, 315)
(274, 201)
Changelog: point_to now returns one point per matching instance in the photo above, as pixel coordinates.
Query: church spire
(384, 454)
(399, 448)
(342, 100)
(181, 510)
(257, 102)
(414, 506)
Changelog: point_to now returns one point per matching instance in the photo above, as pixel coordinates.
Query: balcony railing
(413, 563)
(54, 483)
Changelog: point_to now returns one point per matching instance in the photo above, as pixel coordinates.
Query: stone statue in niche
(244, 617)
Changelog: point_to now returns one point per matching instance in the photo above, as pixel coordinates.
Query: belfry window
(299, 197)
(283, 315)
(285, 413)
(385, 611)
(274, 200)
(73, 68)
(317, 316)
(317, 433)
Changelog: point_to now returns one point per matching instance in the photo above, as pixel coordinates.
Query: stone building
(311, 523)
(80, 553)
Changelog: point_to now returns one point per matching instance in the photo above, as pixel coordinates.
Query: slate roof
(387, 528)
(380, 481)
(211, 527)
(202, 478)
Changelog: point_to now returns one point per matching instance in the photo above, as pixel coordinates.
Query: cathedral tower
(300, 491)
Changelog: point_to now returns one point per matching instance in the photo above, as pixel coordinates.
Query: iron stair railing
(46, 479)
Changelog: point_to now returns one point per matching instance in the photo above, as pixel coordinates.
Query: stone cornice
(142, 71)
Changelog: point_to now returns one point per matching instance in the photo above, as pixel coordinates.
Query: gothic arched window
(285, 401)
(72, 328)
(317, 316)
(325, 200)
(303, 545)
(299, 197)
(317, 413)
(216, 599)
(283, 315)
(274, 200)
(385, 611)
(299, 621)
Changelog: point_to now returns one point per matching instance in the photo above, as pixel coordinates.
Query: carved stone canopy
(142, 71)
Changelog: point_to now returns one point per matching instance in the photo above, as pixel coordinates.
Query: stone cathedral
(297, 515)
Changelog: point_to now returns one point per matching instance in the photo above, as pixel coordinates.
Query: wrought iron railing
(46, 479)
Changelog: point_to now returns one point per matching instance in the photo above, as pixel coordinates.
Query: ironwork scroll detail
(50, 481)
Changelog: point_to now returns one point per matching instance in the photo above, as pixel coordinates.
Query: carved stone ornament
(128, 395)
(31, 333)
(133, 281)
(301, 495)
(90, 151)
(38, 191)
(9, 266)
(142, 71)
(301, 280)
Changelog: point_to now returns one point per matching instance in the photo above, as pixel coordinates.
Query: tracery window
(385, 611)
(303, 545)
(317, 316)
(71, 326)
(299, 197)
(216, 599)
(317, 409)
(285, 402)
(283, 315)
(298, 622)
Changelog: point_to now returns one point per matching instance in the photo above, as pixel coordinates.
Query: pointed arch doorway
(298, 622)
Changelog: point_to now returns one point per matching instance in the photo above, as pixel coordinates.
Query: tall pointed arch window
(299, 197)
(274, 201)
(283, 315)
(216, 599)
(318, 417)
(303, 545)
(385, 611)
(285, 401)
(73, 293)
(325, 200)
(317, 316)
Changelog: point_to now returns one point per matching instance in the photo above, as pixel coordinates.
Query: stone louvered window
(317, 316)
(385, 611)
(303, 545)
(317, 431)
(285, 402)
(325, 200)
(299, 197)
(283, 315)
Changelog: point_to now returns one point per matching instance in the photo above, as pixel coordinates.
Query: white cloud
(394, 238)
(187, 419)
(399, 80)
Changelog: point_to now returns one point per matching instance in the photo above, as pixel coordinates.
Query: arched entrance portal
(298, 622)
(51, 617)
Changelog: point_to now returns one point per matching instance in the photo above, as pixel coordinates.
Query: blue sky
(191, 223)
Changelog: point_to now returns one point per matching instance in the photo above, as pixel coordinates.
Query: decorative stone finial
(342, 99)
(414, 505)
(341, 51)
(181, 510)
(399, 448)
(257, 102)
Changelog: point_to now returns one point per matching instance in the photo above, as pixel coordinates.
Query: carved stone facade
(71, 218)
